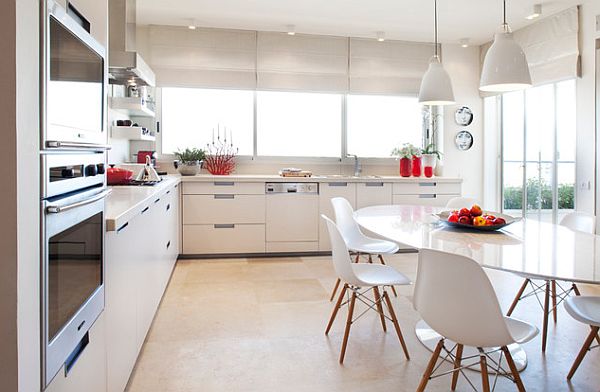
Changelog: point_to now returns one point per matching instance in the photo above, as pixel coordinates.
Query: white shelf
(131, 133)
(132, 106)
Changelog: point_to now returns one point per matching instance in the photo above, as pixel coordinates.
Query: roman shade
(301, 62)
(551, 46)
(390, 67)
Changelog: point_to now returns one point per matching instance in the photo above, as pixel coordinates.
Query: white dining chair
(585, 310)
(456, 299)
(357, 242)
(460, 202)
(358, 280)
(552, 290)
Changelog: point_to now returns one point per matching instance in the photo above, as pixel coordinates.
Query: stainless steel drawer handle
(224, 196)
(224, 226)
(75, 145)
(380, 184)
(224, 183)
(58, 209)
(428, 196)
(427, 183)
(337, 183)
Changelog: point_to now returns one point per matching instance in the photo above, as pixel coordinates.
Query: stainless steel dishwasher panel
(292, 212)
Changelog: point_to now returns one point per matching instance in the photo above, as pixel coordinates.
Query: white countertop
(314, 178)
(542, 250)
(124, 202)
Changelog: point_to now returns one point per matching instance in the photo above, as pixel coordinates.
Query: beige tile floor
(258, 325)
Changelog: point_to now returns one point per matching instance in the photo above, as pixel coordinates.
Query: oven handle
(87, 146)
(59, 209)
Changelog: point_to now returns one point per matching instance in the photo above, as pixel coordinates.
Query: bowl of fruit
(475, 218)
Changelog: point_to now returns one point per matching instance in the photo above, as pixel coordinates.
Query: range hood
(125, 65)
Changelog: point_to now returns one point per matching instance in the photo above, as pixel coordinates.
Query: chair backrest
(460, 202)
(344, 220)
(579, 221)
(455, 298)
(342, 263)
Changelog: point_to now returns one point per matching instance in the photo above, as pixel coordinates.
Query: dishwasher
(292, 210)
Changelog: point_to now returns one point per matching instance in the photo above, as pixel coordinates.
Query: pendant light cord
(435, 28)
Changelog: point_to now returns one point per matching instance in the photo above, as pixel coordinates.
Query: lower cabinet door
(224, 238)
(425, 199)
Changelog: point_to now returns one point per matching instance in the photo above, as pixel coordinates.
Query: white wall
(463, 66)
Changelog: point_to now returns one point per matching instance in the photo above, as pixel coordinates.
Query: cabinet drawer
(224, 187)
(428, 199)
(373, 193)
(223, 208)
(427, 187)
(223, 238)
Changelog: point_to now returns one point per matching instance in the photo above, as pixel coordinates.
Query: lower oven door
(72, 275)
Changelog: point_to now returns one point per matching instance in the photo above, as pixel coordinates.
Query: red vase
(428, 170)
(416, 166)
(405, 167)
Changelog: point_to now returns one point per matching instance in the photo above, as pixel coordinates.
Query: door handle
(428, 196)
(380, 184)
(223, 183)
(58, 209)
(337, 183)
(224, 196)
(224, 226)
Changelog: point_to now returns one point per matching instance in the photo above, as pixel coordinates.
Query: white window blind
(302, 62)
(204, 57)
(551, 46)
(390, 67)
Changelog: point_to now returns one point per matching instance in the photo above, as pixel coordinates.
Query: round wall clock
(463, 116)
(463, 140)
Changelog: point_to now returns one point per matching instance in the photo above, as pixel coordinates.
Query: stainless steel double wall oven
(73, 159)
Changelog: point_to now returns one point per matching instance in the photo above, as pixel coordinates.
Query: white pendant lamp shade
(505, 66)
(436, 87)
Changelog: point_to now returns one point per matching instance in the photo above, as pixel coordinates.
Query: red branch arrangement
(220, 154)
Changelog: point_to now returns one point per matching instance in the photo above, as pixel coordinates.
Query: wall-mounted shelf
(131, 133)
(133, 106)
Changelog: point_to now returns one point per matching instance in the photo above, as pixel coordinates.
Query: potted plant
(189, 161)
(430, 157)
(406, 154)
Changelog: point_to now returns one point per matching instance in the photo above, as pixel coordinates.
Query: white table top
(530, 247)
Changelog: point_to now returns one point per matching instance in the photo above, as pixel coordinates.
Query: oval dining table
(528, 247)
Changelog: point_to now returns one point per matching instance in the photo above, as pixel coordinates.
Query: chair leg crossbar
(483, 359)
(357, 256)
(351, 294)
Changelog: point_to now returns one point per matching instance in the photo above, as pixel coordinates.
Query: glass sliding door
(538, 128)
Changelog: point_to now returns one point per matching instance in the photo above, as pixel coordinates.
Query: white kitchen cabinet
(96, 12)
(89, 371)
(140, 256)
(427, 187)
(224, 238)
(224, 187)
(223, 208)
(423, 199)
(293, 218)
(327, 191)
(373, 193)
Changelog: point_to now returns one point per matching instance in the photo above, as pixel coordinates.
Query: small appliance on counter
(118, 176)
(294, 172)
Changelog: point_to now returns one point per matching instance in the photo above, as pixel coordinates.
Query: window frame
(344, 159)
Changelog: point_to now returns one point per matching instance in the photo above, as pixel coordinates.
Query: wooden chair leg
(383, 262)
(338, 304)
(378, 300)
(578, 293)
(430, 366)
(348, 325)
(554, 309)
(485, 379)
(583, 351)
(517, 297)
(395, 322)
(457, 361)
(546, 313)
(513, 369)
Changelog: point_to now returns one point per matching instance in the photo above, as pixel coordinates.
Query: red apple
(453, 218)
(464, 212)
(465, 220)
(476, 210)
(499, 221)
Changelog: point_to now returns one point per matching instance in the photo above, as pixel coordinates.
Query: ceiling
(410, 20)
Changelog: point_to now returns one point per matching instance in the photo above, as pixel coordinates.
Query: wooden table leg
(379, 307)
(457, 361)
(430, 366)
(583, 351)
(546, 312)
(517, 297)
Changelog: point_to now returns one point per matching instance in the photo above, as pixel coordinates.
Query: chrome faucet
(357, 167)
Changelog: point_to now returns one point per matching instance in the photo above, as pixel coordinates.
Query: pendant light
(505, 65)
(436, 87)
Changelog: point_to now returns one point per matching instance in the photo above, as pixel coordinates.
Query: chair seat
(373, 246)
(521, 331)
(379, 275)
(584, 309)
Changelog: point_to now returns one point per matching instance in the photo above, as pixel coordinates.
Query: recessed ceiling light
(380, 36)
(536, 12)
(464, 42)
(291, 29)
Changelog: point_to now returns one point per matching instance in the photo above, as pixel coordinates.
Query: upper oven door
(74, 88)
(68, 172)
